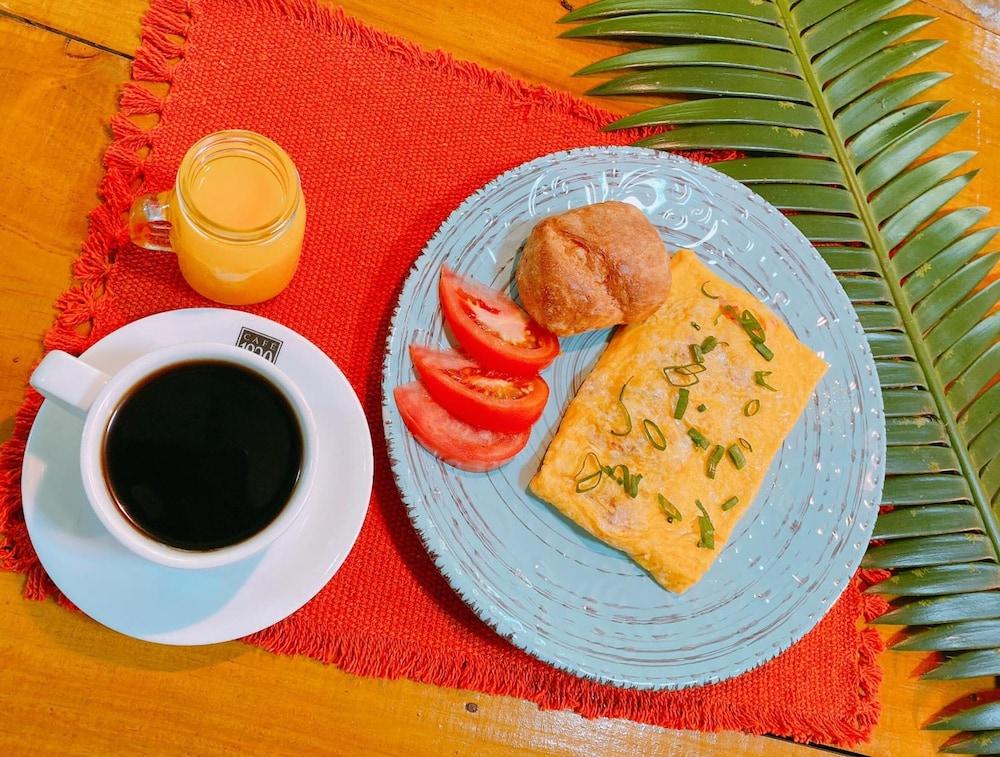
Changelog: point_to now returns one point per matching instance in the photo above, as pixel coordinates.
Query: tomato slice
(478, 395)
(455, 442)
(492, 328)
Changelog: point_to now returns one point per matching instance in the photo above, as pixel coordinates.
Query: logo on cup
(260, 344)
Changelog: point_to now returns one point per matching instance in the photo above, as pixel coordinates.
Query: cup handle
(148, 224)
(68, 380)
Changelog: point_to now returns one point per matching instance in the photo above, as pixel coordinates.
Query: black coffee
(203, 455)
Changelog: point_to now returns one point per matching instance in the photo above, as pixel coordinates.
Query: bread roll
(593, 267)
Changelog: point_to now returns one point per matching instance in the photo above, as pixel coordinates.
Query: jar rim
(219, 143)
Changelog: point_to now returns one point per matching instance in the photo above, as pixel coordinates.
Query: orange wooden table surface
(69, 686)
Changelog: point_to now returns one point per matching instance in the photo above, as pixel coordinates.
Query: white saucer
(176, 606)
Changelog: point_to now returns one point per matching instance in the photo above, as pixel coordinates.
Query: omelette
(669, 438)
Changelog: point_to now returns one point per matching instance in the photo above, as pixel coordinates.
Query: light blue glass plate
(551, 588)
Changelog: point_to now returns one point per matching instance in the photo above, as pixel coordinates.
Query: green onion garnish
(737, 456)
(633, 488)
(730, 503)
(698, 438)
(748, 321)
(587, 483)
(686, 372)
(708, 344)
(592, 480)
(730, 311)
(760, 379)
(668, 509)
(696, 354)
(751, 408)
(753, 328)
(713, 460)
(628, 481)
(707, 540)
(628, 416)
(695, 326)
(649, 428)
(682, 403)
(686, 379)
(690, 368)
(707, 294)
(706, 528)
(611, 471)
(702, 408)
(745, 444)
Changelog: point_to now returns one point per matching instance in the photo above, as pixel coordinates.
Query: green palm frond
(813, 93)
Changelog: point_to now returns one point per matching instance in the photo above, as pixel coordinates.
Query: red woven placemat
(388, 139)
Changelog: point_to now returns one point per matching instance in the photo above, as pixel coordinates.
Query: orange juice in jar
(235, 218)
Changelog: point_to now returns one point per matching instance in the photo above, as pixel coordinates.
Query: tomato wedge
(455, 442)
(478, 395)
(492, 328)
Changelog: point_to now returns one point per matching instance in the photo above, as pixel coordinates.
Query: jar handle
(148, 223)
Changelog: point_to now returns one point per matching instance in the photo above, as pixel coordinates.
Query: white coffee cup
(93, 394)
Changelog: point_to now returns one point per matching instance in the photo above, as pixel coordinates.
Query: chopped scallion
(628, 416)
(764, 350)
(714, 458)
(628, 481)
(760, 379)
(707, 293)
(591, 480)
(690, 368)
(682, 403)
(751, 408)
(654, 434)
(698, 438)
(707, 540)
(730, 503)
(705, 527)
(632, 489)
(731, 312)
(750, 324)
(587, 483)
(737, 456)
(683, 375)
(611, 470)
(669, 509)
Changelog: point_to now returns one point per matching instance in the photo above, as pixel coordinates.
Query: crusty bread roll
(593, 267)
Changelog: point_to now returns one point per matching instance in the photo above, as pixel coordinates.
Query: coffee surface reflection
(203, 454)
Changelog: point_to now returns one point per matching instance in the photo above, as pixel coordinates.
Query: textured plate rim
(426, 529)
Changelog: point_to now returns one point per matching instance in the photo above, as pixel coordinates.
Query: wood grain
(55, 97)
(516, 35)
(72, 687)
(68, 686)
(970, 55)
(984, 13)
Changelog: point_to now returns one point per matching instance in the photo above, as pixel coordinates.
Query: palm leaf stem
(875, 239)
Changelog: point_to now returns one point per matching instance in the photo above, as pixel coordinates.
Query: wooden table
(69, 686)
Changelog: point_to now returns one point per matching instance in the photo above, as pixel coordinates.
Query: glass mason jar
(234, 218)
